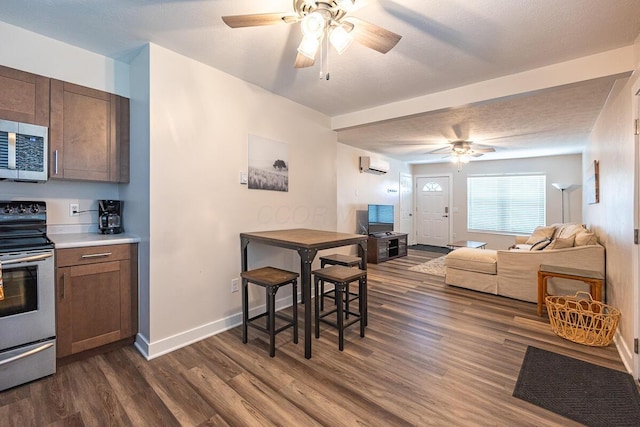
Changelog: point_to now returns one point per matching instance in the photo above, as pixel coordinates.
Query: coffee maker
(110, 216)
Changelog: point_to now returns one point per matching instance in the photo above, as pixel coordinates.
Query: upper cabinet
(88, 134)
(24, 97)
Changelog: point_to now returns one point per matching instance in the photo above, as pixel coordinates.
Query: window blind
(506, 203)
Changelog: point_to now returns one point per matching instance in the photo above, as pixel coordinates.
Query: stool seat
(336, 259)
(338, 273)
(269, 276)
(339, 259)
(341, 276)
(271, 279)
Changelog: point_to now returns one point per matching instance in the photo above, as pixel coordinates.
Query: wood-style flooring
(432, 355)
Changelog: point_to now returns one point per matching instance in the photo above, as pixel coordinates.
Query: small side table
(594, 279)
(467, 244)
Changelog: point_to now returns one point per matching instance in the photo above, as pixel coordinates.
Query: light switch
(243, 178)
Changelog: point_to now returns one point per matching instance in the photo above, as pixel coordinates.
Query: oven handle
(27, 259)
(26, 354)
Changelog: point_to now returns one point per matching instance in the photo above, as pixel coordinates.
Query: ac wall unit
(376, 166)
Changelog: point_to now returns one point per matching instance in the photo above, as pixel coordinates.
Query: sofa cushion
(469, 259)
(568, 230)
(542, 232)
(561, 243)
(585, 238)
(540, 245)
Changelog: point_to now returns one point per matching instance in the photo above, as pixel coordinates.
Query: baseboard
(625, 352)
(151, 350)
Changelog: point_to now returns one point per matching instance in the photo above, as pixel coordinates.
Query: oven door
(27, 306)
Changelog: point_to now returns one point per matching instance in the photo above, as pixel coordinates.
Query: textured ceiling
(445, 44)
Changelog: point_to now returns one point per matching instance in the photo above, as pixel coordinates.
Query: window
(432, 186)
(506, 203)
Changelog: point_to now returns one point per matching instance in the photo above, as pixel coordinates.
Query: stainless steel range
(27, 294)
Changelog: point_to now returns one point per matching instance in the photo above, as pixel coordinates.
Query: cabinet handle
(55, 155)
(97, 255)
(64, 284)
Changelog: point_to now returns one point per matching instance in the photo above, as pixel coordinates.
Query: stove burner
(23, 225)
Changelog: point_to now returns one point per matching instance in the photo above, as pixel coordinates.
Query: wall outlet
(74, 209)
(234, 285)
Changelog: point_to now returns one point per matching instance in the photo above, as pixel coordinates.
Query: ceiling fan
(325, 19)
(461, 151)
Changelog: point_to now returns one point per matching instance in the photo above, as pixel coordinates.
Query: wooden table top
(304, 237)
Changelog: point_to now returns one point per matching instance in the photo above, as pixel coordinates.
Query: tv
(380, 219)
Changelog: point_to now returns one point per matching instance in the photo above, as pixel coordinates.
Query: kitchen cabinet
(24, 97)
(88, 134)
(387, 247)
(96, 296)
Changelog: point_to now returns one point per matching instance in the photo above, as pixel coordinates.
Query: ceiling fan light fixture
(309, 46)
(310, 3)
(346, 5)
(340, 39)
(313, 25)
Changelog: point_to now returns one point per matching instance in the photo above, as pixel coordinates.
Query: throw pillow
(561, 243)
(542, 232)
(585, 238)
(569, 229)
(540, 245)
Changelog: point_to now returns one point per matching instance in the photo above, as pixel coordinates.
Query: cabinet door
(94, 306)
(85, 134)
(24, 97)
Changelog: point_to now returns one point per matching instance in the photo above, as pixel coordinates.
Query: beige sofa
(514, 272)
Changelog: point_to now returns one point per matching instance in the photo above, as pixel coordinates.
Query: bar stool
(341, 276)
(337, 259)
(271, 279)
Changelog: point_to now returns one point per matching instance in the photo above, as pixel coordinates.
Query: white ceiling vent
(376, 166)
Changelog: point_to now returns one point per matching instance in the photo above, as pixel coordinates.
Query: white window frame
(521, 209)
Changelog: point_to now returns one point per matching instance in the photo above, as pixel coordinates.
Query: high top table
(307, 242)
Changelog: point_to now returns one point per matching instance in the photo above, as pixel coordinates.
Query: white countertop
(79, 240)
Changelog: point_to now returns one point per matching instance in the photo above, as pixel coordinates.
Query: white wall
(199, 121)
(27, 51)
(565, 169)
(612, 144)
(356, 189)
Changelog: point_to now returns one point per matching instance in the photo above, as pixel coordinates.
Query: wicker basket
(582, 320)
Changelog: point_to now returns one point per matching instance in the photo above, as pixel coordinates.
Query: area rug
(429, 248)
(584, 392)
(434, 266)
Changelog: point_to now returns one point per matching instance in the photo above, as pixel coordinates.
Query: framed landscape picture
(592, 183)
(268, 164)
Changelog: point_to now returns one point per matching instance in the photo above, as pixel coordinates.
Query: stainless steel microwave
(23, 151)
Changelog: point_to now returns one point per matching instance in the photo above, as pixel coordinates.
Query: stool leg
(346, 300)
(245, 310)
(365, 295)
(271, 306)
(340, 320)
(322, 264)
(362, 303)
(317, 306)
(295, 311)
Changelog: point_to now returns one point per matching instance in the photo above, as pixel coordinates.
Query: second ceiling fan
(320, 20)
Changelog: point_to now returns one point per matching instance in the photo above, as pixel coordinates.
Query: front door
(406, 205)
(432, 198)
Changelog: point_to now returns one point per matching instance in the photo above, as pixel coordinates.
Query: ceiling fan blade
(477, 149)
(441, 150)
(258, 19)
(373, 36)
(303, 61)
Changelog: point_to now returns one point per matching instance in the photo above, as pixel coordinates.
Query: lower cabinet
(96, 296)
(384, 248)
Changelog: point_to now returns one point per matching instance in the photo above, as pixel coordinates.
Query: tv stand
(384, 246)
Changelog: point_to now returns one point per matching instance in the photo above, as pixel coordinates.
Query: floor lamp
(561, 187)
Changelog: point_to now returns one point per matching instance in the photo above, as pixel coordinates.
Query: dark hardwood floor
(432, 355)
